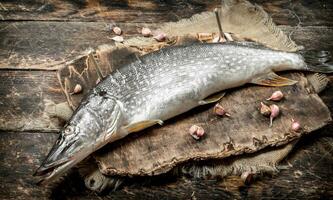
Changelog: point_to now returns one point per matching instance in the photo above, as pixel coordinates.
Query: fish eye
(69, 130)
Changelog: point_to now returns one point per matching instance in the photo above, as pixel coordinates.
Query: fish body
(159, 86)
(174, 80)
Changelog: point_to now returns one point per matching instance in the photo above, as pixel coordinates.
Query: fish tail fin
(318, 61)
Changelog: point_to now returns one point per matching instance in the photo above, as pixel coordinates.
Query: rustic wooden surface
(35, 32)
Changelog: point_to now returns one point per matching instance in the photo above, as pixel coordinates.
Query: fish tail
(318, 61)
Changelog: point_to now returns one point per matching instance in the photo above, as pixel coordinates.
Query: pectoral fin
(135, 127)
(273, 79)
(212, 98)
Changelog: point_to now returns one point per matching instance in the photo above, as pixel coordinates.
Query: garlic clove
(117, 30)
(247, 177)
(275, 111)
(216, 39)
(228, 37)
(196, 132)
(276, 96)
(118, 39)
(295, 126)
(77, 89)
(219, 110)
(98, 80)
(265, 110)
(146, 32)
(159, 36)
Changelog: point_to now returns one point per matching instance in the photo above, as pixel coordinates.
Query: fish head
(91, 127)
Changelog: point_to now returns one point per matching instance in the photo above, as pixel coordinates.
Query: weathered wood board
(96, 10)
(307, 174)
(22, 97)
(29, 82)
(159, 149)
(309, 13)
(23, 43)
(21, 48)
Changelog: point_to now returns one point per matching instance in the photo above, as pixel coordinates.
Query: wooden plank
(312, 38)
(21, 153)
(46, 45)
(306, 13)
(43, 45)
(19, 85)
(95, 10)
(308, 175)
(22, 97)
(301, 12)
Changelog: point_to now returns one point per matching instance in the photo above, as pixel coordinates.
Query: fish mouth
(47, 168)
(51, 171)
(85, 133)
(63, 156)
(49, 174)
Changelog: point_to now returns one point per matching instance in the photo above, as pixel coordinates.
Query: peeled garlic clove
(196, 132)
(276, 96)
(295, 126)
(77, 89)
(275, 111)
(222, 39)
(219, 110)
(160, 36)
(146, 32)
(98, 80)
(265, 110)
(118, 39)
(117, 30)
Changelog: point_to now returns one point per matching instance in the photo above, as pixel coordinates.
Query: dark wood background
(37, 36)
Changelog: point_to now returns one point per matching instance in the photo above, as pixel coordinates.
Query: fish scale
(194, 70)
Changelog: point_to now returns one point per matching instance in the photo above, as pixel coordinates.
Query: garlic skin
(196, 132)
(265, 110)
(216, 39)
(118, 39)
(275, 111)
(160, 36)
(146, 32)
(247, 177)
(228, 37)
(295, 126)
(117, 30)
(276, 96)
(220, 111)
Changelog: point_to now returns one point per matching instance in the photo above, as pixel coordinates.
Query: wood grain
(34, 87)
(54, 31)
(305, 13)
(22, 100)
(110, 11)
(306, 174)
(42, 45)
(47, 45)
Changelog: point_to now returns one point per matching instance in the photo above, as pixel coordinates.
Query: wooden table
(36, 37)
